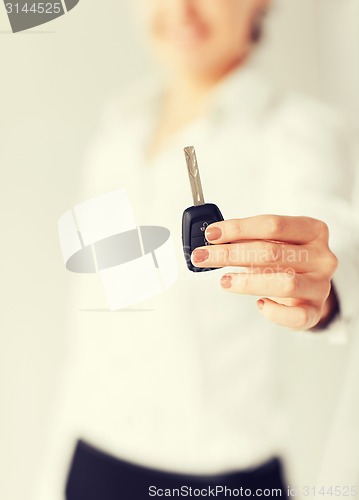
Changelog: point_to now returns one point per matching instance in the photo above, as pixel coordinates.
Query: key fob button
(197, 241)
(195, 220)
(199, 228)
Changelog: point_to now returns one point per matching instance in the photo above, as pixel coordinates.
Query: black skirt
(95, 475)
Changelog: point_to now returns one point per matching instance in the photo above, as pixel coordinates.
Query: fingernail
(200, 255)
(226, 281)
(213, 233)
(260, 304)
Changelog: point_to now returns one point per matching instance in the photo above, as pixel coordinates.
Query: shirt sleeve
(320, 154)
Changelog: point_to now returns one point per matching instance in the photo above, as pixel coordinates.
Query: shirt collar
(243, 91)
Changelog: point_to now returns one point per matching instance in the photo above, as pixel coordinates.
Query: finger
(299, 317)
(260, 254)
(272, 284)
(267, 227)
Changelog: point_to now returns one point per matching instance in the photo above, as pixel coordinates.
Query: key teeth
(193, 172)
(191, 160)
(189, 150)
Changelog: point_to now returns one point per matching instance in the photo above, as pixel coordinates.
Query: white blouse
(190, 380)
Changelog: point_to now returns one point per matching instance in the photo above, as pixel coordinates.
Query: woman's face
(201, 37)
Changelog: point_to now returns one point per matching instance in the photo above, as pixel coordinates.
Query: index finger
(284, 228)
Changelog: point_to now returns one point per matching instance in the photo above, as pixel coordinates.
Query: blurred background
(54, 81)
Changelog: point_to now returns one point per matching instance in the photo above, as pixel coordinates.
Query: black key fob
(195, 220)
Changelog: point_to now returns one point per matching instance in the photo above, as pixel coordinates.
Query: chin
(191, 61)
(199, 68)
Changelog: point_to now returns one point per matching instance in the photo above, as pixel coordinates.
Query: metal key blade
(194, 177)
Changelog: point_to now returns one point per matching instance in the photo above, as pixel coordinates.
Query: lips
(186, 34)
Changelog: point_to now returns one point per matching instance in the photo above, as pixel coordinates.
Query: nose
(183, 9)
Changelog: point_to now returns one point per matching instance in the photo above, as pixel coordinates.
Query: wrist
(330, 310)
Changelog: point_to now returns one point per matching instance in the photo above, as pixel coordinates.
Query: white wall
(53, 81)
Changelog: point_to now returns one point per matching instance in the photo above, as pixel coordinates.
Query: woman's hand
(288, 263)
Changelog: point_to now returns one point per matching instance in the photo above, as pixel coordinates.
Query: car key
(196, 219)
